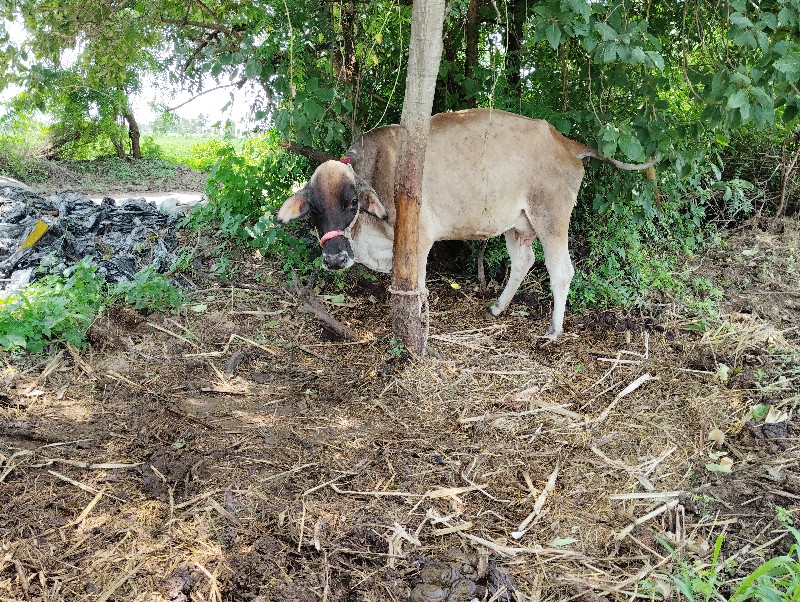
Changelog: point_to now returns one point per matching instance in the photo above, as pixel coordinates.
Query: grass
(775, 579)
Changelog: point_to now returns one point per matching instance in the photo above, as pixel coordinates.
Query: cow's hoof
(492, 311)
(549, 338)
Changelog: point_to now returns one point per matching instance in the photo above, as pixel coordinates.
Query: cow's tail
(582, 151)
(588, 151)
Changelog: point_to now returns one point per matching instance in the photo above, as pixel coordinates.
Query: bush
(246, 188)
(21, 141)
(54, 309)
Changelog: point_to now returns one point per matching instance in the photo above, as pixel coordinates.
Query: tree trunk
(424, 55)
(471, 43)
(133, 132)
(517, 14)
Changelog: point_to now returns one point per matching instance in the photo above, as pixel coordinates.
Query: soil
(232, 451)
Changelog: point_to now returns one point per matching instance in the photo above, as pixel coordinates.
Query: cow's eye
(354, 202)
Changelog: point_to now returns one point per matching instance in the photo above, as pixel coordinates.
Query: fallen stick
(539, 504)
(315, 307)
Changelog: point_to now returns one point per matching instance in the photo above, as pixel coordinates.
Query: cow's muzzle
(337, 252)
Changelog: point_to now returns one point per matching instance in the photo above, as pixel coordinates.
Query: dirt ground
(236, 452)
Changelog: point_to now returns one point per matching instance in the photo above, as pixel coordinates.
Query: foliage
(680, 81)
(52, 309)
(246, 188)
(777, 578)
(148, 290)
(21, 137)
(61, 308)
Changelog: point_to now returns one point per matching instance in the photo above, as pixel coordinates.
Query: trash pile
(40, 236)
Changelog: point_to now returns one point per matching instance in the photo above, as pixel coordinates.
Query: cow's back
(482, 169)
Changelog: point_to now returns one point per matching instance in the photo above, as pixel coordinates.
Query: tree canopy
(637, 77)
(683, 80)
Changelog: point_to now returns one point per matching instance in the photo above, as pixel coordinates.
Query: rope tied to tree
(423, 294)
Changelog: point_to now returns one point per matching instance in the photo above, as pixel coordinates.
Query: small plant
(698, 583)
(776, 579)
(54, 309)
(397, 348)
(150, 290)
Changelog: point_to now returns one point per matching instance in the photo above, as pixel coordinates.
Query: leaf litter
(210, 456)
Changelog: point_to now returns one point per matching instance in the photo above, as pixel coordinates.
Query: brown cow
(487, 172)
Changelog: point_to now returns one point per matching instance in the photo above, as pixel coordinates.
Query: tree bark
(424, 56)
(471, 43)
(517, 14)
(133, 133)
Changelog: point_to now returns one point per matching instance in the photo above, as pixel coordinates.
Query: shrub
(246, 188)
(53, 309)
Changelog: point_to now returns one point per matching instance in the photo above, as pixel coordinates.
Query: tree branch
(216, 27)
(238, 84)
(316, 156)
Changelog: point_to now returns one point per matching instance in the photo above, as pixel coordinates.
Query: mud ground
(234, 451)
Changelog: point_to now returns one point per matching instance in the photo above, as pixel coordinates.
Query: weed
(776, 579)
(150, 290)
(54, 309)
(397, 348)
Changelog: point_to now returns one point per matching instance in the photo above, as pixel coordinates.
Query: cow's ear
(295, 206)
(371, 204)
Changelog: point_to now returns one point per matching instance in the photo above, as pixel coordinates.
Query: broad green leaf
(740, 20)
(606, 31)
(554, 35)
(313, 109)
(631, 146)
(738, 100)
(657, 59)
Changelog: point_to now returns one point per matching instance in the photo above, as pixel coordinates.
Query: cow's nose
(336, 261)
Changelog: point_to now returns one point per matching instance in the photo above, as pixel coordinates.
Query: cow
(487, 172)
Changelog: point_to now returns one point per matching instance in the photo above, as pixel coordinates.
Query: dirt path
(234, 452)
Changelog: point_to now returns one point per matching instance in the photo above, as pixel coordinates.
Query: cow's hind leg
(559, 267)
(522, 257)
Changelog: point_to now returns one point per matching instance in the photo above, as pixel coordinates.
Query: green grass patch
(59, 309)
(776, 579)
(198, 152)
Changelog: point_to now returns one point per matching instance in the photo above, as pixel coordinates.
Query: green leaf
(740, 20)
(638, 55)
(770, 20)
(610, 53)
(554, 35)
(630, 145)
(313, 109)
(789, 113)
(606, 31)
(787, 16)
(738, 100)
(745, 112)
(658, 60)
(252, 69)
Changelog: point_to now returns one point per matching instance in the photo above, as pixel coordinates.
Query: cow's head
(334, 196)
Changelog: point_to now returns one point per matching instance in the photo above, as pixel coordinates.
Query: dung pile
(122, 239)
